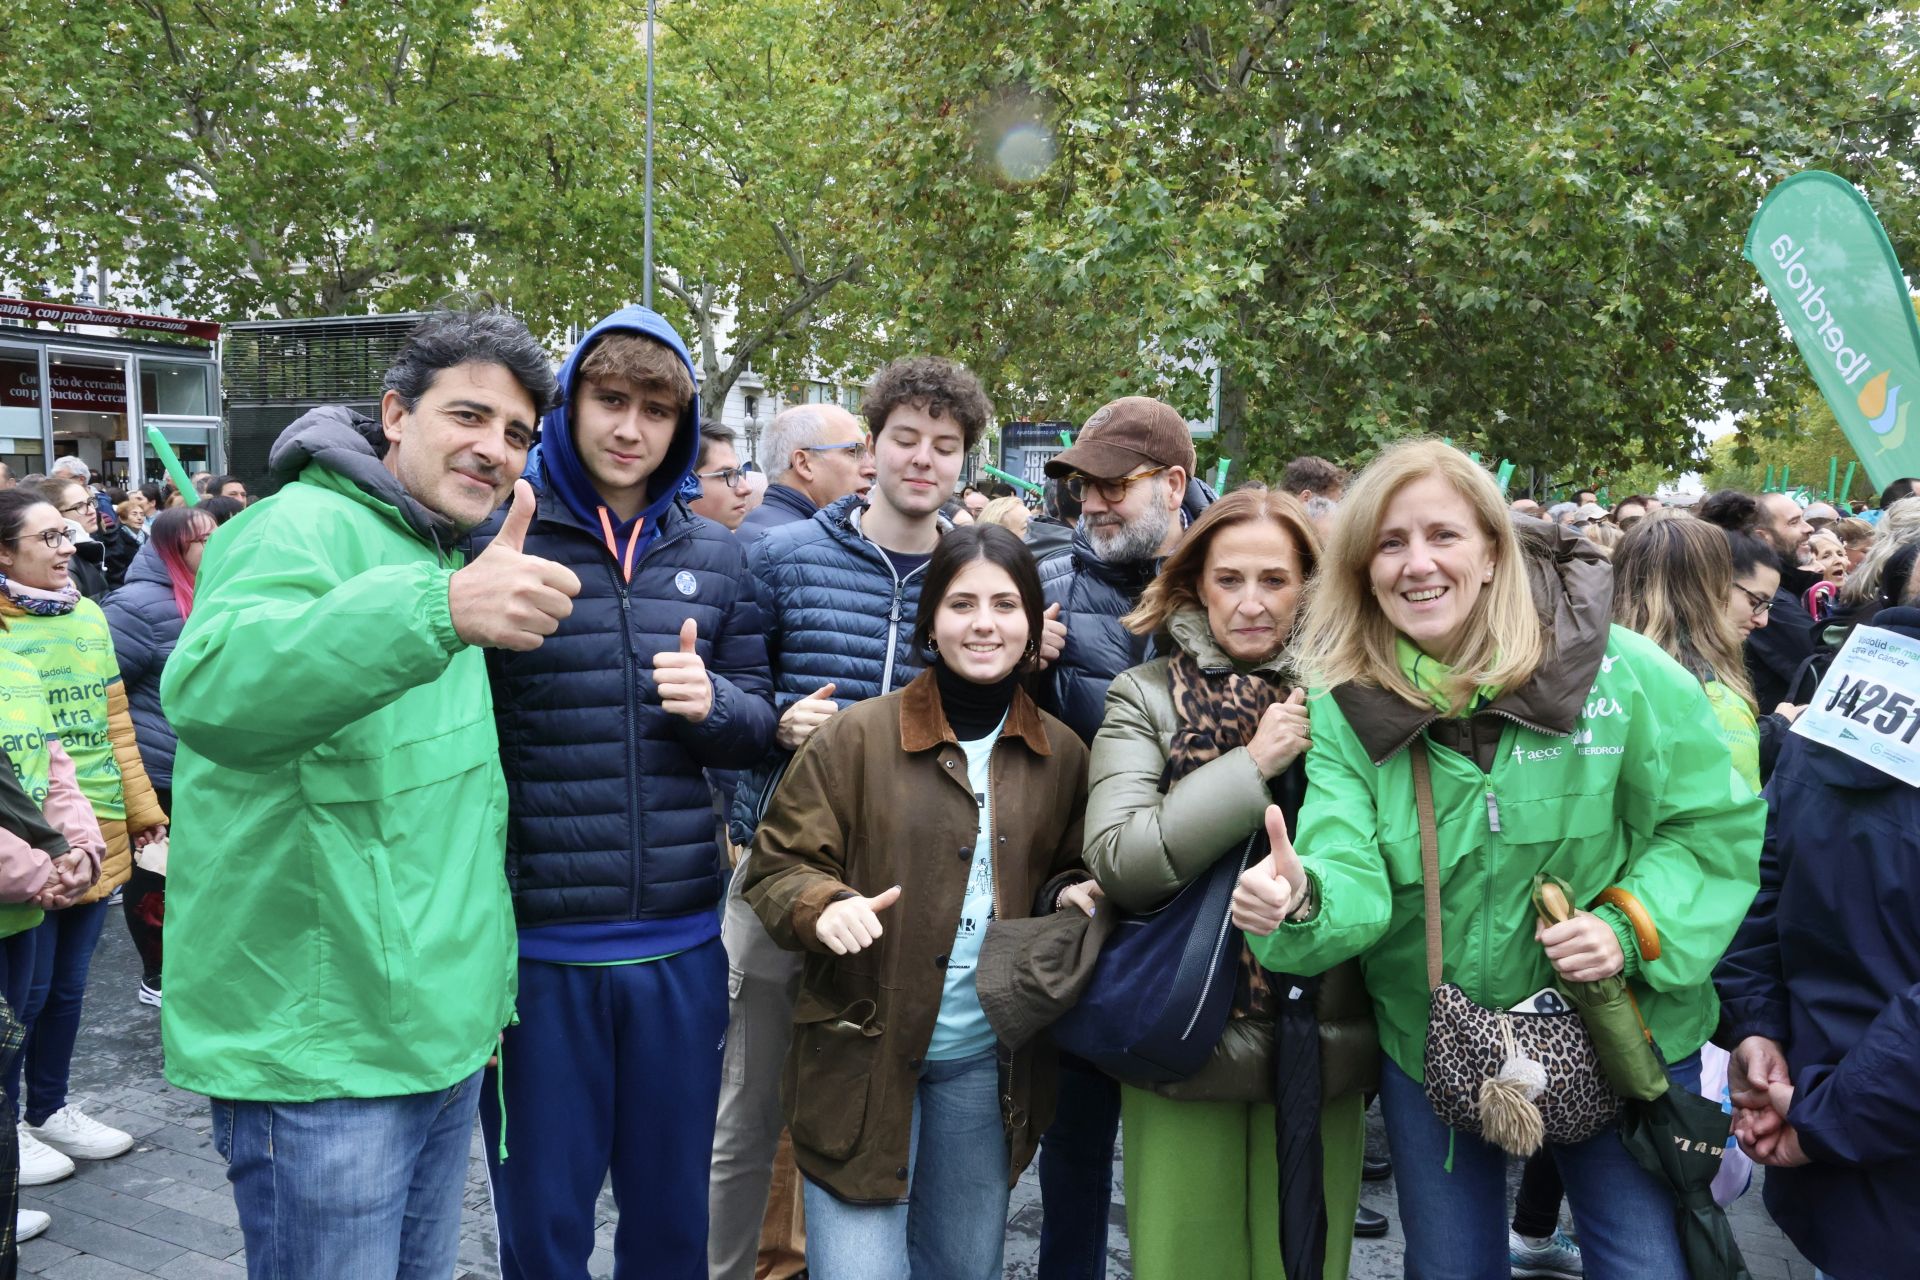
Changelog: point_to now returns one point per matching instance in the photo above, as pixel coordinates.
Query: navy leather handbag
(1162, 986)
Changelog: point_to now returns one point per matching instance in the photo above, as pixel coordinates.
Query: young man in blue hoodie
(612, 850)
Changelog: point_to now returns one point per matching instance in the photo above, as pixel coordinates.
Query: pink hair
(173, 531)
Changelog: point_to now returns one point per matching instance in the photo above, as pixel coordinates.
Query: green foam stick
(1066, 439)
(1505, 476)
(171, 462)
(1846, 486)
(1833, 475)
(1220, 475)
(1015, 481)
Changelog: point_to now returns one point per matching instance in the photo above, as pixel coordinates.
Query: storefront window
(20, 409)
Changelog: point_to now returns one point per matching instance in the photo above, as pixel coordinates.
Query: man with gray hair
(813, 455)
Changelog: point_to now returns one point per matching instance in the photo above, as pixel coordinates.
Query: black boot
(1369, 1224)
(1376, 1169)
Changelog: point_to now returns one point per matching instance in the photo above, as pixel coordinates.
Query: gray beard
(1136, 540)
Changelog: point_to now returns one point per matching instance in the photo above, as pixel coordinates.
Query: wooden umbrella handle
(1645, 936)
(1554, 904)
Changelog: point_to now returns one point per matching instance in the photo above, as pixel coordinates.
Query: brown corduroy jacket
(879, 796)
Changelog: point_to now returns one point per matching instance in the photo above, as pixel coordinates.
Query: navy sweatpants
(611, 1067)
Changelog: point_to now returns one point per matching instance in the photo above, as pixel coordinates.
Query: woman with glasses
(66, 638)
(88, 566)
(145, 616)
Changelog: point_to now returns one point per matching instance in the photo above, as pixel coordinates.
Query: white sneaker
(72, 1131)
(149, 994)
(30, 1223)
(40, 1163)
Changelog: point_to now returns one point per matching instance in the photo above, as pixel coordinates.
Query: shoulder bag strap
(1429, 854)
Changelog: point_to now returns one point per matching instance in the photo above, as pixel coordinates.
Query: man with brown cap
(1131, 469)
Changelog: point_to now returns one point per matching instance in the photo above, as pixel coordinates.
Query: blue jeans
(954, 1224)
(1076, 1174)
(65, 941)
(1456, 1223)
(350, 1188)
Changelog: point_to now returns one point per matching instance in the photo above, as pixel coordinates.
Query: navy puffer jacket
(835, 611)
(146, 624)
(1828, 964)
(611, 819)
(1093, 596)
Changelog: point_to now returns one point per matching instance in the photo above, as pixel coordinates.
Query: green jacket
(1144, 846)
(1609, 769)
(338, 922)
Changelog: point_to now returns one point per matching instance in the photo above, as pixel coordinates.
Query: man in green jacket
(340, 945)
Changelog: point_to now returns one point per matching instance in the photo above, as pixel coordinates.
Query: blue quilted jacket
(611, 819)
(836, 611)
(146, 625)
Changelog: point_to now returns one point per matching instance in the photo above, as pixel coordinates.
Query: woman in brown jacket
(904, 826)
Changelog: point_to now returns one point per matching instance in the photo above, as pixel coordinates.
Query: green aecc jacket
(1635, 789)
(338, 924)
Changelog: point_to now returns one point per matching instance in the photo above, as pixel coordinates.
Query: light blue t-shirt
(962, 1029)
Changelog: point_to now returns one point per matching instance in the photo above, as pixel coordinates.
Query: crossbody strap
(1429, 854)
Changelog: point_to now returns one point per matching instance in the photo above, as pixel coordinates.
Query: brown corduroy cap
(1121, 437)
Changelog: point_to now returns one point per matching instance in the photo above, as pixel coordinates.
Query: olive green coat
(1144, 846)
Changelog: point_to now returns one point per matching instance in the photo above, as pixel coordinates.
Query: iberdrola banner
(1827, 263)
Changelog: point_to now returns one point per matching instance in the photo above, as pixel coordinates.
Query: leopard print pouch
(1529, 1062)
(1467, 1045)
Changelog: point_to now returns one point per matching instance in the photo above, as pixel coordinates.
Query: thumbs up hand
(507, 599)
(1283, 735)
(798, 721)
(1053, 637)
(1272, 888)
(853, 924)
(686, 690)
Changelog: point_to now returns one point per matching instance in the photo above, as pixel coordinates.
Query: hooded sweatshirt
(612, 847)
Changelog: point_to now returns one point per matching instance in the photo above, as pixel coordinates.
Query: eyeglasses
(76, 508)
(52, 537)
(729, 476)
(861, 453)
(1109, 490)
(1762, 605)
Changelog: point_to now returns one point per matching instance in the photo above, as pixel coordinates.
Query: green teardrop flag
(1827, 263)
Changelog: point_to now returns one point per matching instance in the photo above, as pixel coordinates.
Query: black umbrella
(1296, 1126)
(1678, 1138)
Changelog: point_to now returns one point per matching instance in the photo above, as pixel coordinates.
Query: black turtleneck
(973, 710)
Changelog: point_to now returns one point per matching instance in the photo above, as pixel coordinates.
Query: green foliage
(1516, 225)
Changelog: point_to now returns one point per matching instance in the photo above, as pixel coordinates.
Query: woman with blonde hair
(1671, 577)
(1193, 748)
(1547, 741)
(1008, 513)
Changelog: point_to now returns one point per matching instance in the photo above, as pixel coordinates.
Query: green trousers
(1203, 1194)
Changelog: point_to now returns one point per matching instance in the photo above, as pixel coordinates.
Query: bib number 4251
(1875, 706)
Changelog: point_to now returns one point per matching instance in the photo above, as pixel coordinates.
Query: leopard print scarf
(1220, 710)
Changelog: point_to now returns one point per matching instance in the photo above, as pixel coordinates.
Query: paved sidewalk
(164, 1209)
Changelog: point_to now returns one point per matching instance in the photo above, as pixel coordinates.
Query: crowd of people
(749, 831)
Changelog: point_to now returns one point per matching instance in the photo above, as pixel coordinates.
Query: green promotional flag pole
(1220, 475)
(1825, 259)
(1013, 480)
(1846, 486)
(1833, 475)
(171, 462)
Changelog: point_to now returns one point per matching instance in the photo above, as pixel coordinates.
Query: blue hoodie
(564, 473)
(611, 839)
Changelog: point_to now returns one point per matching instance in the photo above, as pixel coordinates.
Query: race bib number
(1868, 706)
